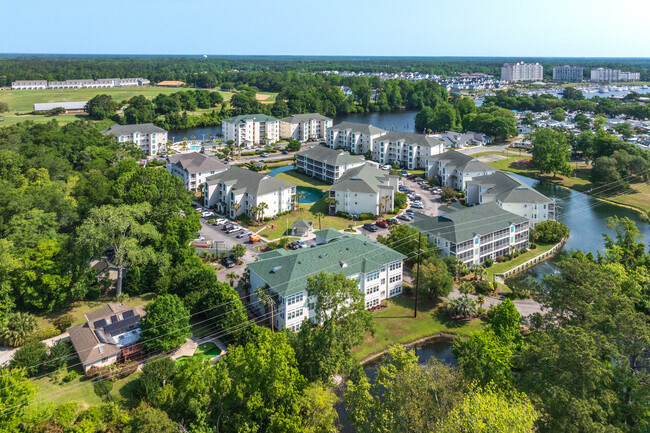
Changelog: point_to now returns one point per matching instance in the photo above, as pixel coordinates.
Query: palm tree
(235, 206)
(254, 210)
(481, 300)
(459, 267)
(192, 137)
(463, 307)
(479, 272)
(319, 215)
(465, 287)
(18, 328)
(330, 201)
(261, 208)
(299, 195)
(231, 277)
(266, 299)
(385, 199)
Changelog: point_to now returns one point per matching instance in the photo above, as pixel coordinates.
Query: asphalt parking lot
(430, 202)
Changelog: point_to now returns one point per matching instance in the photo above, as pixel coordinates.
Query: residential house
(247, 188)
(109, 335)
(357, 138)
(251, 129)
(405, 149)
(376, 268)
(193, 168)
(477, 233)
(304, 127)
(326, 164)
(364, 189)
(151, 139)
(512, 195)
(454, 169)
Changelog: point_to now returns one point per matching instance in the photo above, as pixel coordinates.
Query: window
(395, 290)
(296, 327)
(371, 290)
(394, 266)
(372, 276)
(294, 314)
(295, 299)
(372, 303)
(395, 278)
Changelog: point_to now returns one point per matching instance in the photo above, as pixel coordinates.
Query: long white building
(326, 164)
(193, 168)
(79, 84)
(406, 149)
(570, 74)
(29, 85)
(364, 189)
(357, 138)
(251, 129)
(477, 233)
(305, 127)
(520, 71)
(510, 194)
(376, 268)
(247, 188)
(149, 137)
(613, 75)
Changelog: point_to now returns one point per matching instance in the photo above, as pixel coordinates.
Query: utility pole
(272, 308)
(417, 275)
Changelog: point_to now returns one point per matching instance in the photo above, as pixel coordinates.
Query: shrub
(343, 214)
(65, 414)
(550, 231)
(70, 376)
(366, 216)
(523, 251)
(103, 388)
(500, 259)
(44, 334)
(63, 322)
(31, 357)
(489, 262)
(532, 246)
(480, 311)
(128, 369)
(483, 287)
(59, 355)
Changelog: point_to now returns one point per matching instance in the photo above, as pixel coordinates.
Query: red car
(382, 224)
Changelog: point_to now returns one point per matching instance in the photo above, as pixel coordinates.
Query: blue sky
(549, 28)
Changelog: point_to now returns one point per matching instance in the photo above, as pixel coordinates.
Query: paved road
(526, 307)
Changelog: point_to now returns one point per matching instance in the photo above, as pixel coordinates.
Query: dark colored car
(392, 221)
(228, 262)
(293, 245)
(370, 227)
(382, 224)
(227, 227)
(285, 152)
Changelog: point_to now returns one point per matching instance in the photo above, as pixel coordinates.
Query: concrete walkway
(7, 353)
(187, 349)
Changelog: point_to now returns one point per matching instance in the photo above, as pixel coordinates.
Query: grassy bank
(396, 324)
(637, 197)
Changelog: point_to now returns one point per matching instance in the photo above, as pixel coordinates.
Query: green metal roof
(463, 225)
(287, 272)
(329, 234)
(245, 117)
(333, 157)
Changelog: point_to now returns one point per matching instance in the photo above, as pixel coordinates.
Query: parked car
(221, 221)
(404, 189)
(417, 197)
(382, 224)
(233, 229)
(417, 205)
(264, 154)
(228, 262)
(293, 245)
(207, 214)
(385, 167)
(227, 227)
(200, 238)
(392, 221)
(285, 152)
(410, 211)
(370, 227)
(254, 238)
(243, 233)
(405, 217)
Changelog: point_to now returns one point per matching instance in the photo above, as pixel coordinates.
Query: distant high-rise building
(567, 73)
(521, 71)
(611, 75)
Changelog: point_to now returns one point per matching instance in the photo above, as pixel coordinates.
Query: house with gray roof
(150, 138)
(510, 194)
(358, 138)
(326, 164)
(193, 168)
(454, 169)
(250, 130)
(305, 127)
(376, 268)
(406, 149)
(364, 189)
(109, 335)
(477, 233)
(236, 190)
(453, 139)
(301, 227)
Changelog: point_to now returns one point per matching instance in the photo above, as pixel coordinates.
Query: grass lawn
(79, 308)
(499, 268)
(62, 119)
(24, 100)
(81, 390)
(299, 179)
(266, 97)
(396, 324)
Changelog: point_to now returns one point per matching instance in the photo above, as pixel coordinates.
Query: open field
(396, 324)
(266, 97)
(24, 100)
(79, 308)
(638, 196)
(62, 119)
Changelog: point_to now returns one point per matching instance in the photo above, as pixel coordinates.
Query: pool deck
(187, 349)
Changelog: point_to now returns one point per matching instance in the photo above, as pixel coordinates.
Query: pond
(312, 195)
(585, 216)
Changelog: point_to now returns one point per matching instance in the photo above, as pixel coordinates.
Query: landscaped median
(396, 325)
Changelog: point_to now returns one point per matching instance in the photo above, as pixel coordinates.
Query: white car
(207, 214)
(417, 205)
(385, 167)
(221, 221)
(234, 228)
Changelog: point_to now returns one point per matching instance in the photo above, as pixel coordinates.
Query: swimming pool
(277, 170)
(195, 147)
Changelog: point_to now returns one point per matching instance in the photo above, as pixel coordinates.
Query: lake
(586, 218)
